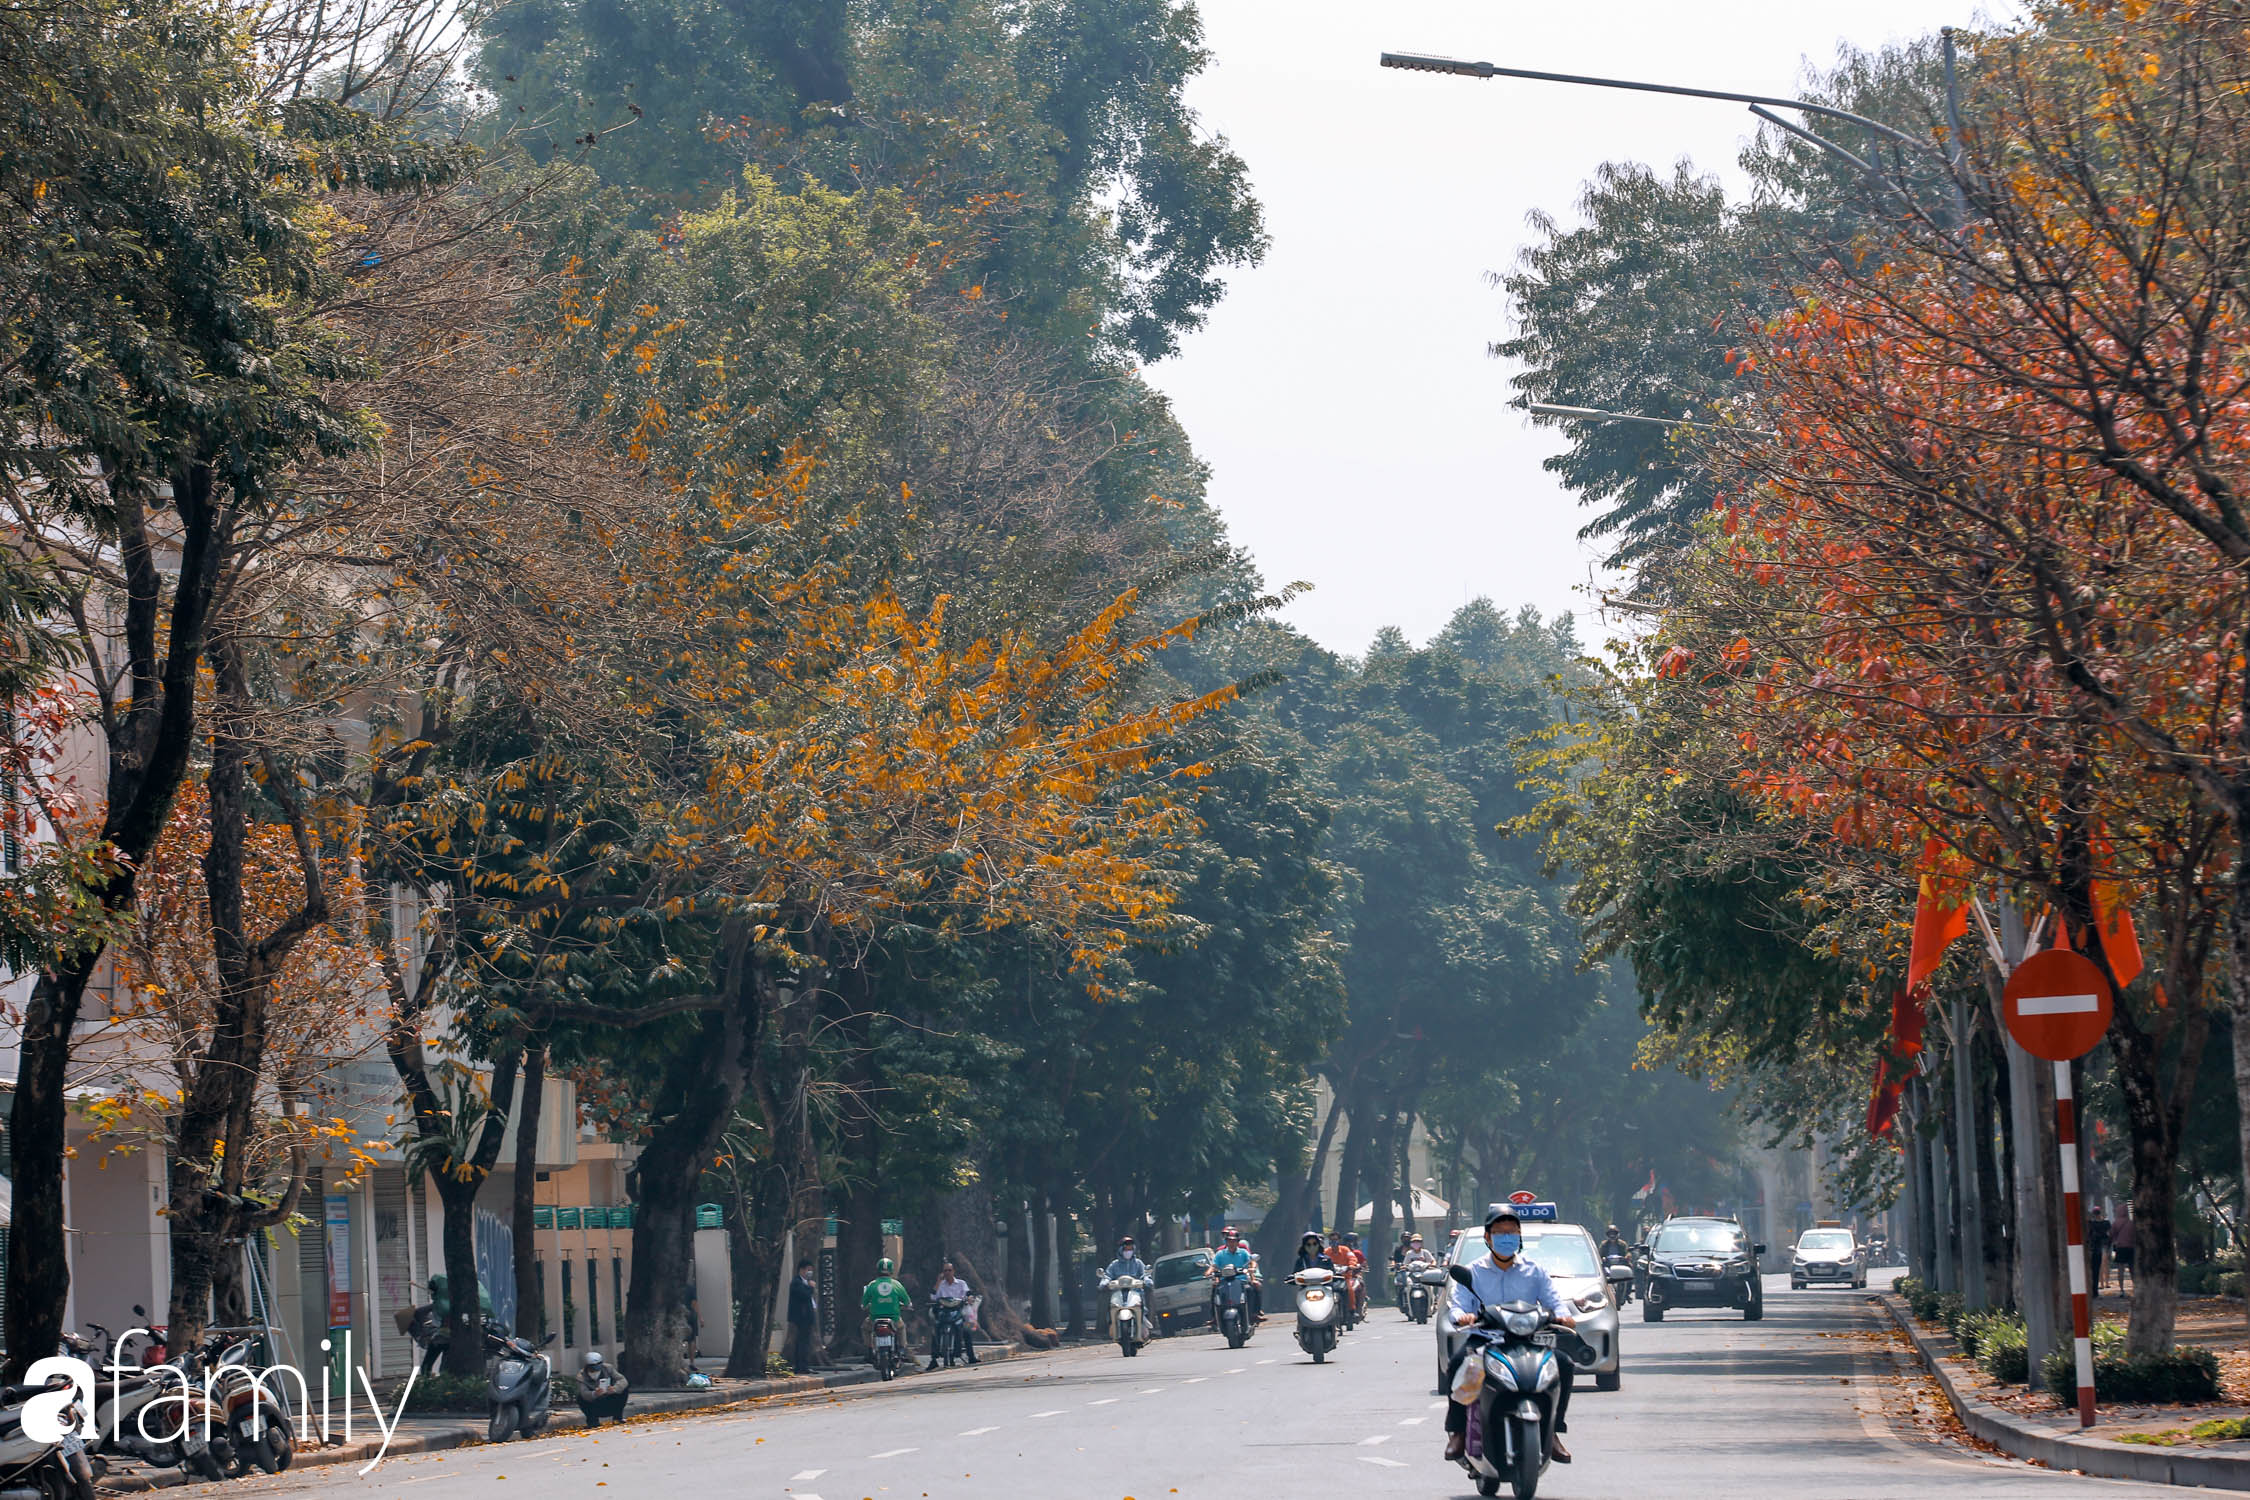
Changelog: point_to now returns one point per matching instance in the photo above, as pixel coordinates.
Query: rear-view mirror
(1758, 1249)
(1460, 1274)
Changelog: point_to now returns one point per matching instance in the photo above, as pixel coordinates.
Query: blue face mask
(1505, 1246)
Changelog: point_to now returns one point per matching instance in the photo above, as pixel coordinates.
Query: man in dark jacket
(804, 1317)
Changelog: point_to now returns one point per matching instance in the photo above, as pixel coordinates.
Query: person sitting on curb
(602, 1389)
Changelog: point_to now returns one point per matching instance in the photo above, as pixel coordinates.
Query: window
(1561, 1254)
(570, 1309)
(1175, 1270)
(1705, 1239)
(593, 1300)
(1826, 1239)
(617, 1289)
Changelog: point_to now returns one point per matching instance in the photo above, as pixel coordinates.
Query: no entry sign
(2057, 1005)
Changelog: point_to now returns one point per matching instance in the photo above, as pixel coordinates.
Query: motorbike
(1421, 1291)
(257, 1423)
(1231, 1306)
(1128, 1311)
(1317, 1311)
(1513, 1364)
(521, 1391)
(32, 1470)
(1618, 1272)
(886, 1348)
(1354, 1298)
(157, 1416)
(952, 1342)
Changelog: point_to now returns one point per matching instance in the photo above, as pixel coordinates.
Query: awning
(1426, 1206)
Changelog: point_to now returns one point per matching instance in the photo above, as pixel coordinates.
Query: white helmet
(593, 1359)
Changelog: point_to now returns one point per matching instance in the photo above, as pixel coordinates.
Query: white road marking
(1437, 1406)
(1038, 1414)
(1198, 1380)
(1388, 1463)
(1380, 1437)
(806, 1474)
(1106, 1401)
(1265, 1361)
(1151, 1390)
(1412, 1421)
(977, 1432)
(808, 1497)
(1237, 1370)
(895, 1452)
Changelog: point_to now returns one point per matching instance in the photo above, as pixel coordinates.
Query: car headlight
(1591, 1302)
(1522, 1324)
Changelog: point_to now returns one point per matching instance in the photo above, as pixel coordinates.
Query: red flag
(1906, 1024)
(1936, 925)
(1882, 1108)
(2119, 941)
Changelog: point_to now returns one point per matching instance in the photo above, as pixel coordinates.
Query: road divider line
(1265, 1361)
(1388, 1463)
(977, 1432)
(1151, 1390)
(1055, 1413)
(895, 1452)
(1198, 1380)
(1412, 1421)
(806, 1474)
(1380, 1437)
(1237, 1370)
(1106, 1401)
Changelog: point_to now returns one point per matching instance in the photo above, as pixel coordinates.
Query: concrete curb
(2098, 1456)
(439, 1439)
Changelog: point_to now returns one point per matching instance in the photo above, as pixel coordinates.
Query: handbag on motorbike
(1468, 1381)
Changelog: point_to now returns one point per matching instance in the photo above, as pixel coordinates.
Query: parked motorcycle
(951, 1344)
(1231, 1315)
(257, 1422)
(886, 1348)
(1514, 1366)
(32, 1470)
(158, 1416)
(522, 1388)
(1317, 1311)
(1128, 1313)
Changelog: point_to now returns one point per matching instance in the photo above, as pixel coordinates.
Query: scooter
(1231, 1300)
(1421, 1292)
(1317, 1311)
(1129, 1313)
(1618, 1272)
(952, 1342)
(1514, 1367)
(521, 1392)
(158, 1416)
(257, 1422)
(886, 1348)
(32, 1470)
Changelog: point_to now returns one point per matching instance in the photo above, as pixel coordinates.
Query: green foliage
(449, 1393)
(2182, 1375)
(1998, 1342)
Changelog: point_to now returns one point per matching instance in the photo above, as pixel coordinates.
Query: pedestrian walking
(2121, 1238)
(2097, 1246)
(804, 1318)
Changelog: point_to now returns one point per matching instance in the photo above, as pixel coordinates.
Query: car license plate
(1698, 1286)
(883, 1341)
(1544, 1340)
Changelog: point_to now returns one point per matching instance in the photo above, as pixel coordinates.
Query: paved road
(1808, 1404)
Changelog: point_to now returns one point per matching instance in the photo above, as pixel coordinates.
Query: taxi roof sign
(1522, 1206)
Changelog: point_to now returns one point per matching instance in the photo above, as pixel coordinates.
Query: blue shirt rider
(1498, 1276)
(1235, 1255)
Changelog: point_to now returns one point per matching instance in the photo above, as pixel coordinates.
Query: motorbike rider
(1311, 1253)
(1128, 1263)
(886, 1297)
(950, 1284)
(1232, 1252)
(601, 1389)
(1498, 1276)
(1352, 1266)
(1614, 1246)
(1415, 1256)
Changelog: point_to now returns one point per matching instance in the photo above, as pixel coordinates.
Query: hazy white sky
(1355, 427)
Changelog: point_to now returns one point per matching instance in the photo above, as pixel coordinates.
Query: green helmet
(884, 1266)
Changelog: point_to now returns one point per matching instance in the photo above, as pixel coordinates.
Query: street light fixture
(1592, 414)
(1424, 62)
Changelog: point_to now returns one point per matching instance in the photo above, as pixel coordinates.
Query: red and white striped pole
(2074, 1229)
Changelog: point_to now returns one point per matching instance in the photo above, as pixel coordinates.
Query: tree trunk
(2240, 1016)
(1067, 1268)
(1997, 1270)
(38, 1256)
(759, 1283)
(1294, 1203)
(1043, 1310)
(1358, 1132)
(859, 1245)
(1383, 1156)
(531, 1311)
(703, 1084)
(966, 1217)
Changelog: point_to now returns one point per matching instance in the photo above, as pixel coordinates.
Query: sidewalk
(432, 1432)
(2150, 1444)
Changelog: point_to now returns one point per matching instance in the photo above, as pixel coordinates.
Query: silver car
(1569, 1256)
(1181, 1296)
(1828, 1255)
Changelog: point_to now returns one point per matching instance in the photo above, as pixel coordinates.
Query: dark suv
(1703, 1262)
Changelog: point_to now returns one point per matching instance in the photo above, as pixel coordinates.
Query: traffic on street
(1813, 1402)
